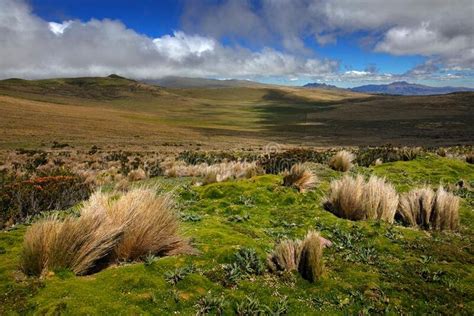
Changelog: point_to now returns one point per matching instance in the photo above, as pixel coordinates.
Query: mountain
(405, 88)
(315, 85)
(185, 82)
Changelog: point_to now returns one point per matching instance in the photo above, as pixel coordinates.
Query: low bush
(136, 225)
(300, 177)
(428, 209)
(368, 155)
(20, 199)
(357, 199)
(342, 161)
(277, 162)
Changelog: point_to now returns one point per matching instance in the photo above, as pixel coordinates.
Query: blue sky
(343, 42)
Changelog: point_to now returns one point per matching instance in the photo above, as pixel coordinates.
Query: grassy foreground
(372, 267)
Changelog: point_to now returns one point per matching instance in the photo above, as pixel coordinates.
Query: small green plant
(232, 274)
(174, 276)
(149, 259)
(238, 218)
(190, 217)
(207, 304)
(250, 307)
(249, 262)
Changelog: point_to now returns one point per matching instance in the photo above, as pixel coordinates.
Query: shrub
(300, 178)
(356, 199)
(368, 155)
(24, 198)
(342, 161)
(137, 224)
(428, 209)
(310, 264)
(278, 162)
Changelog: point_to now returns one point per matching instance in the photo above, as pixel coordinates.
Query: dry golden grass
(76, 244)
(415, 207)
(285, 256)
(304, 256)
(311, 265)
(213, 173)
(446, 211)
(129, 228)
(342, 161)
(150, 225)
(300, 178)
(136, 175)
(356, 199)
(428, 209)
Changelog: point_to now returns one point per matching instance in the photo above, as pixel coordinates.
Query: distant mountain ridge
(395, 88)
(405, 88)
(316, 85)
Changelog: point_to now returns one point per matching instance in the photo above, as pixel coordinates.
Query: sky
(342, 42)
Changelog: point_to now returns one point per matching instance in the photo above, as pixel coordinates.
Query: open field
(372, 266)
(118, 197)
(110, 111)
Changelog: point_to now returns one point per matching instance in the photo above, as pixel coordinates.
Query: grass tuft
(357, 199)
(300, 178)
(311, 264)
(136, 225)
(428, 209)
(342, 161)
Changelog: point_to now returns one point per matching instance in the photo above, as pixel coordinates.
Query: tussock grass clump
(300, 178)
(342, 161)
(310, 264)
(357, 199)
(137, 175)
(149, 223)
(213, 173)
(135, 225)
(285, 256)
(305, 256)
(427, 209)
(75, 243)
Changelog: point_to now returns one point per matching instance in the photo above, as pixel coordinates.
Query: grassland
(372, 267)
(120, 112)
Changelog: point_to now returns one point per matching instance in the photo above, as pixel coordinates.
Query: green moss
(372, 267)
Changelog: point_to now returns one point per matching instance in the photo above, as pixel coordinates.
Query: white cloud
(34, 48)
(58, 28)
(179, 45)
(434, 28)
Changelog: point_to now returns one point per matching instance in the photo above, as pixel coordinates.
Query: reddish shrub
(24, 198)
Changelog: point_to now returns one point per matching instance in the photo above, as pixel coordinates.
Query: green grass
(372, 268)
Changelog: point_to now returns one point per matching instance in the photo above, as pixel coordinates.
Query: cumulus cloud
(34, 48)
(437, 29)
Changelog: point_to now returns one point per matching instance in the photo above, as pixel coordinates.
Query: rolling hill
(185, 82)
(114, 111)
